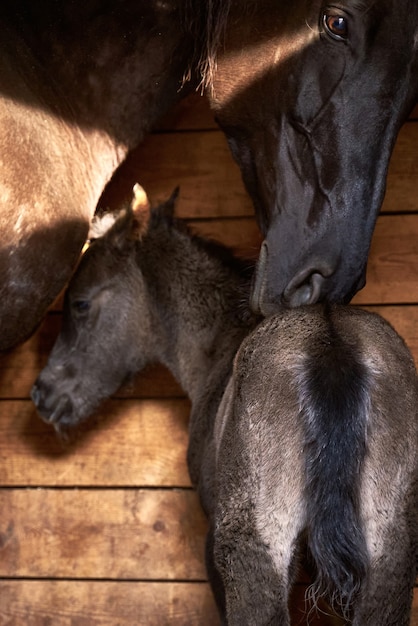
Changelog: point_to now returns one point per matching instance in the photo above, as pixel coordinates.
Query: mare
(309, 94)
(303, 429)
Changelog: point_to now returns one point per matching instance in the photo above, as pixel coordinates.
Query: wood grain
(128, 443)
(88, 603)
(210, 181)
(116, 534)
(392, 273)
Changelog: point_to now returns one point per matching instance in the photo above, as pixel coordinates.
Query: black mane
(206, 21)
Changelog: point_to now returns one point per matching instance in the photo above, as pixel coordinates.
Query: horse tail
(334, 388)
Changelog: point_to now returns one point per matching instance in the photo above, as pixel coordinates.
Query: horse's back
(268, 378)
(279, 346)
(358, 511)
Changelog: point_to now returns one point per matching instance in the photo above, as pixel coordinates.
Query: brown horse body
(78, 91)
(304, 438)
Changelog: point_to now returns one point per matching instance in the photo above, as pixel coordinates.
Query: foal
(303, 430)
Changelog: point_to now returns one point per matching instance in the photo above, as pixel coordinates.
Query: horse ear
(115, 227)
(101, 224)
(124, 226)
(141, 211)
(120, 234)
(169, 206)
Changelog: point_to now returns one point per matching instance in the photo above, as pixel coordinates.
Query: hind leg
(255, 593)
(256, 575)
(214, 576)
(259, 511)
(387, 595)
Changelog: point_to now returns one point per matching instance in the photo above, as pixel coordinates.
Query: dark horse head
(311, 96)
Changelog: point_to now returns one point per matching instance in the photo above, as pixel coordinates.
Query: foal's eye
(81, 306)
(336, 25)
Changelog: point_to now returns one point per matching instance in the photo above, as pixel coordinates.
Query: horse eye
(81, 306)
(336, 26)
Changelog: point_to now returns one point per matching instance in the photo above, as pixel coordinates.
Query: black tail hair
(334, 395)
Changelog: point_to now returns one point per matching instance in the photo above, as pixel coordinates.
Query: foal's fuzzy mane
(244, 267)
(207, 22)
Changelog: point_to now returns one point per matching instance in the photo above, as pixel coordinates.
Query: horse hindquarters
(296, 454)
(290, 433)
(258, 512)
(388, 496)
(387, 594)
(250, 586)
(389, 511)
(359, 400)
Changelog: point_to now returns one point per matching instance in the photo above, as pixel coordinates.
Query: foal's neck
(199, 295)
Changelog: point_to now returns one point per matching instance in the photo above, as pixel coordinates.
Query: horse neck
(198, 301)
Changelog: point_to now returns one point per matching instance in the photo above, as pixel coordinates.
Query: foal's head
(107, 331)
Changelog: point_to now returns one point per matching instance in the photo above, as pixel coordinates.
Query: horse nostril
(62, 411)
(304, 288)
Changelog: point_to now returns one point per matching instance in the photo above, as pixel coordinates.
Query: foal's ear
(168, 207)
(120, 234)
(123, 227)
(141, 211)
(101, 224)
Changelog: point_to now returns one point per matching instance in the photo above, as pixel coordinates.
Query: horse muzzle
(306, 287)
(318, 280)
(57, 410)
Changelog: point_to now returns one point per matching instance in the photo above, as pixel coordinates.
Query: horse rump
(318, 449)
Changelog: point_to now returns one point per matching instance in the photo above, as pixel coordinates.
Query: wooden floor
(107, 531)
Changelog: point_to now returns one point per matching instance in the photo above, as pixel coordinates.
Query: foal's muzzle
(54, 409)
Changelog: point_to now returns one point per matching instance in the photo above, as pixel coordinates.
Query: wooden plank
(401, 192)
(104, 603)
(73, 603)
(405, 321)
(200, 163)
(68, 536)
(392, 273)
(130, 443)
(19, 369)
(194, 113)
(210, 181)
(112, 534)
